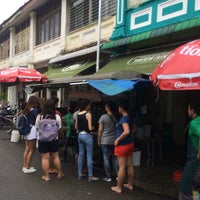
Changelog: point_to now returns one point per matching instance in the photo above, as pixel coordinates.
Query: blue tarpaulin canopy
(116, 86)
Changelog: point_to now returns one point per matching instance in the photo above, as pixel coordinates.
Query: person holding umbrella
(191, 174)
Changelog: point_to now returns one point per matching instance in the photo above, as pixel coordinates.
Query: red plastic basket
(177, 174)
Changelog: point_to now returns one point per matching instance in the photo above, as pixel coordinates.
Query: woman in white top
(31, 111)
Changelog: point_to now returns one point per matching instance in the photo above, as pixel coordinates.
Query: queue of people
(115, 138)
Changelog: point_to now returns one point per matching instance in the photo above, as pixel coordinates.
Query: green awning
(69, 70)
(143, 63)
(153, 34)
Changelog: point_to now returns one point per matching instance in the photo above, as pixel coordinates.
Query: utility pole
(99, 37)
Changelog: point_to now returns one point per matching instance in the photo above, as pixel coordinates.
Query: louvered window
(49, 21)
(49, 28)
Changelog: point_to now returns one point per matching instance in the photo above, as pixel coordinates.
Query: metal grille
(84, 12)
(95, 10)
(108, 8)
(79, 15)
(22, 40)
(22, 37)
(4, 48)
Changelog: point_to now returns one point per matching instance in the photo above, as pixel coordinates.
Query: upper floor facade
(43, 29)
(139, 16)
(147, 24)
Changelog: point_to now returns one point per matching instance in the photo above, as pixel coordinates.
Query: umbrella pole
(157, 94)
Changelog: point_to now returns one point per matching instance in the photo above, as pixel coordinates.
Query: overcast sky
(8, 7)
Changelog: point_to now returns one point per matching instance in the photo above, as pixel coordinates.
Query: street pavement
(15, 185)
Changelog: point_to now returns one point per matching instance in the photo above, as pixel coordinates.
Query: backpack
(48, 129)
(23, 125)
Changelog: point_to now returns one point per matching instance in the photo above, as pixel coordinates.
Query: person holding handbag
(106, 138)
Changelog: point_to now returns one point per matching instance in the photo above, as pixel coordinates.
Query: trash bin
(15, 136)
(137, 157)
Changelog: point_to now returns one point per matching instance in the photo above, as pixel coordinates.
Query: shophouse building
(59, 38)
(63, 33)
(145, 32)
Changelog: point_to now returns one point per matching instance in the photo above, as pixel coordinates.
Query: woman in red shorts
(124, 149)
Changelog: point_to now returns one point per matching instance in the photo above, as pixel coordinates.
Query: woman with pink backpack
(47, 124)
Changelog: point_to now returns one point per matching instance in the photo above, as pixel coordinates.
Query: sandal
(60, 176)
(93, 178)
(44, 178)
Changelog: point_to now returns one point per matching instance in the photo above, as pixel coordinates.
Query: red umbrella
(180, 70)
(24, 75)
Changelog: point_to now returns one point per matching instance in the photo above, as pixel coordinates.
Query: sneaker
(30, 170)
(107, 179)
(80, 177)
(92, 178)
(24, 168)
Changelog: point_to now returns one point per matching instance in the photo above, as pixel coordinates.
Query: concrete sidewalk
(15, 185)
(156, 179)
